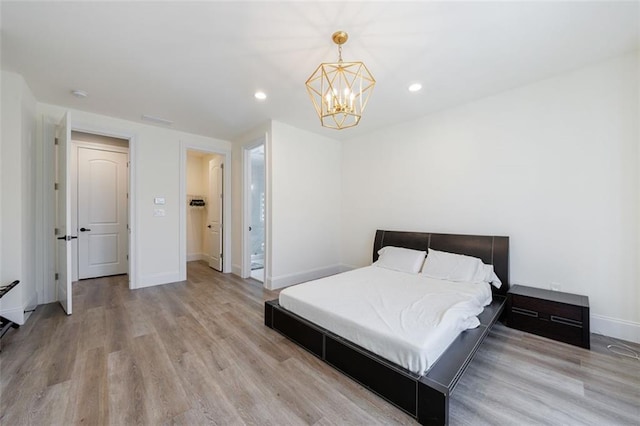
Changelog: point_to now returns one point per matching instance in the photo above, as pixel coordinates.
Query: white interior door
(102, 213)
(63, 217)
(214, 213)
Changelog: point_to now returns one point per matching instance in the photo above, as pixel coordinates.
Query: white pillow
(458, 267)
(400, 259)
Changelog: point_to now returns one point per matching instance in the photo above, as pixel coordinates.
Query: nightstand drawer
(546, 308)
(556, 315)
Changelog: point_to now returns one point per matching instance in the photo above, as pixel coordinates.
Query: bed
(422, 389)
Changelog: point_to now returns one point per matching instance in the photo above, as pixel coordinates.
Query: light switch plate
(158, 212)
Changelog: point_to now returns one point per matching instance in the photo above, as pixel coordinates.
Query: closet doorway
(205, 206)
(255, 212)
(99, 205)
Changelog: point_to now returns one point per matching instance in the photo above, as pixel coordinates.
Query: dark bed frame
(424, 397)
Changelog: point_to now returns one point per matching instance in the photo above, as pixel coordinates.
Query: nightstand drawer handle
(566, 321)
(524, 312)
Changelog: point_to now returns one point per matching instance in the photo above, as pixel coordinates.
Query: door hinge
(56, 231)
(127, 257)
(57, 276)
(221, 256)
(222, 166)
(55, 141)
(55, 186)
(127, 164)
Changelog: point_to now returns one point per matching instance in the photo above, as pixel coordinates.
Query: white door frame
(246, 213)
(226, 197)
(133, 225)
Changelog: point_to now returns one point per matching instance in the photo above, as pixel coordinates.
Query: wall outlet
(555, 286)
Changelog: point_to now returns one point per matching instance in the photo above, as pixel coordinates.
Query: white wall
(155, 160)
(18, 198)
(553, 165)
(304, 175)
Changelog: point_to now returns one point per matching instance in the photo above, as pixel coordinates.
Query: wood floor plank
(209, 399)
(197, 352)
(164, 396)
(214, 352)
(272, 378)
(52, 405)
(62, 352)
(126, 390)
(93, 395)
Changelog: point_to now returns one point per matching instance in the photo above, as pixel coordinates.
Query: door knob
(84, 229)
(250, 229)
(209, 226)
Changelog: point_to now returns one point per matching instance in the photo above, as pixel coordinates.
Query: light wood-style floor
(197, 352)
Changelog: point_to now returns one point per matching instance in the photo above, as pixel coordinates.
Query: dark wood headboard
(492, 250)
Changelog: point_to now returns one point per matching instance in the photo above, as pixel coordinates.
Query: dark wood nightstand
(553, 314)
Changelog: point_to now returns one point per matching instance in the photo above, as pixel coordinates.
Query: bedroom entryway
(255, 166)
(93, 202)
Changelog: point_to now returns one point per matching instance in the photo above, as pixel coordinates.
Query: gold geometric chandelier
(340, 90)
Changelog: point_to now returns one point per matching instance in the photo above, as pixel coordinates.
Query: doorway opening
(255, 210)
(205, 207)
(105, 205)
(99, 195)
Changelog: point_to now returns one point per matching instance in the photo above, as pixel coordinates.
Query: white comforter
(406, 318)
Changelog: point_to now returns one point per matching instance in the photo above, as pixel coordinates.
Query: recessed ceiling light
(261, 96)
(80, 94)
(415, 87)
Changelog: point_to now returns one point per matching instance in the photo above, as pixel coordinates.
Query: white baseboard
(158, 279)
(236, 270)
(274, 283)
(613, 327)
(346, 268)
(191, 257)
(31, 305)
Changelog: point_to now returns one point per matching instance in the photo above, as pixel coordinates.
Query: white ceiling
(198, 64)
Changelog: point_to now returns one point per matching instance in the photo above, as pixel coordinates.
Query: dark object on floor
(5, 323)
(553, 314)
